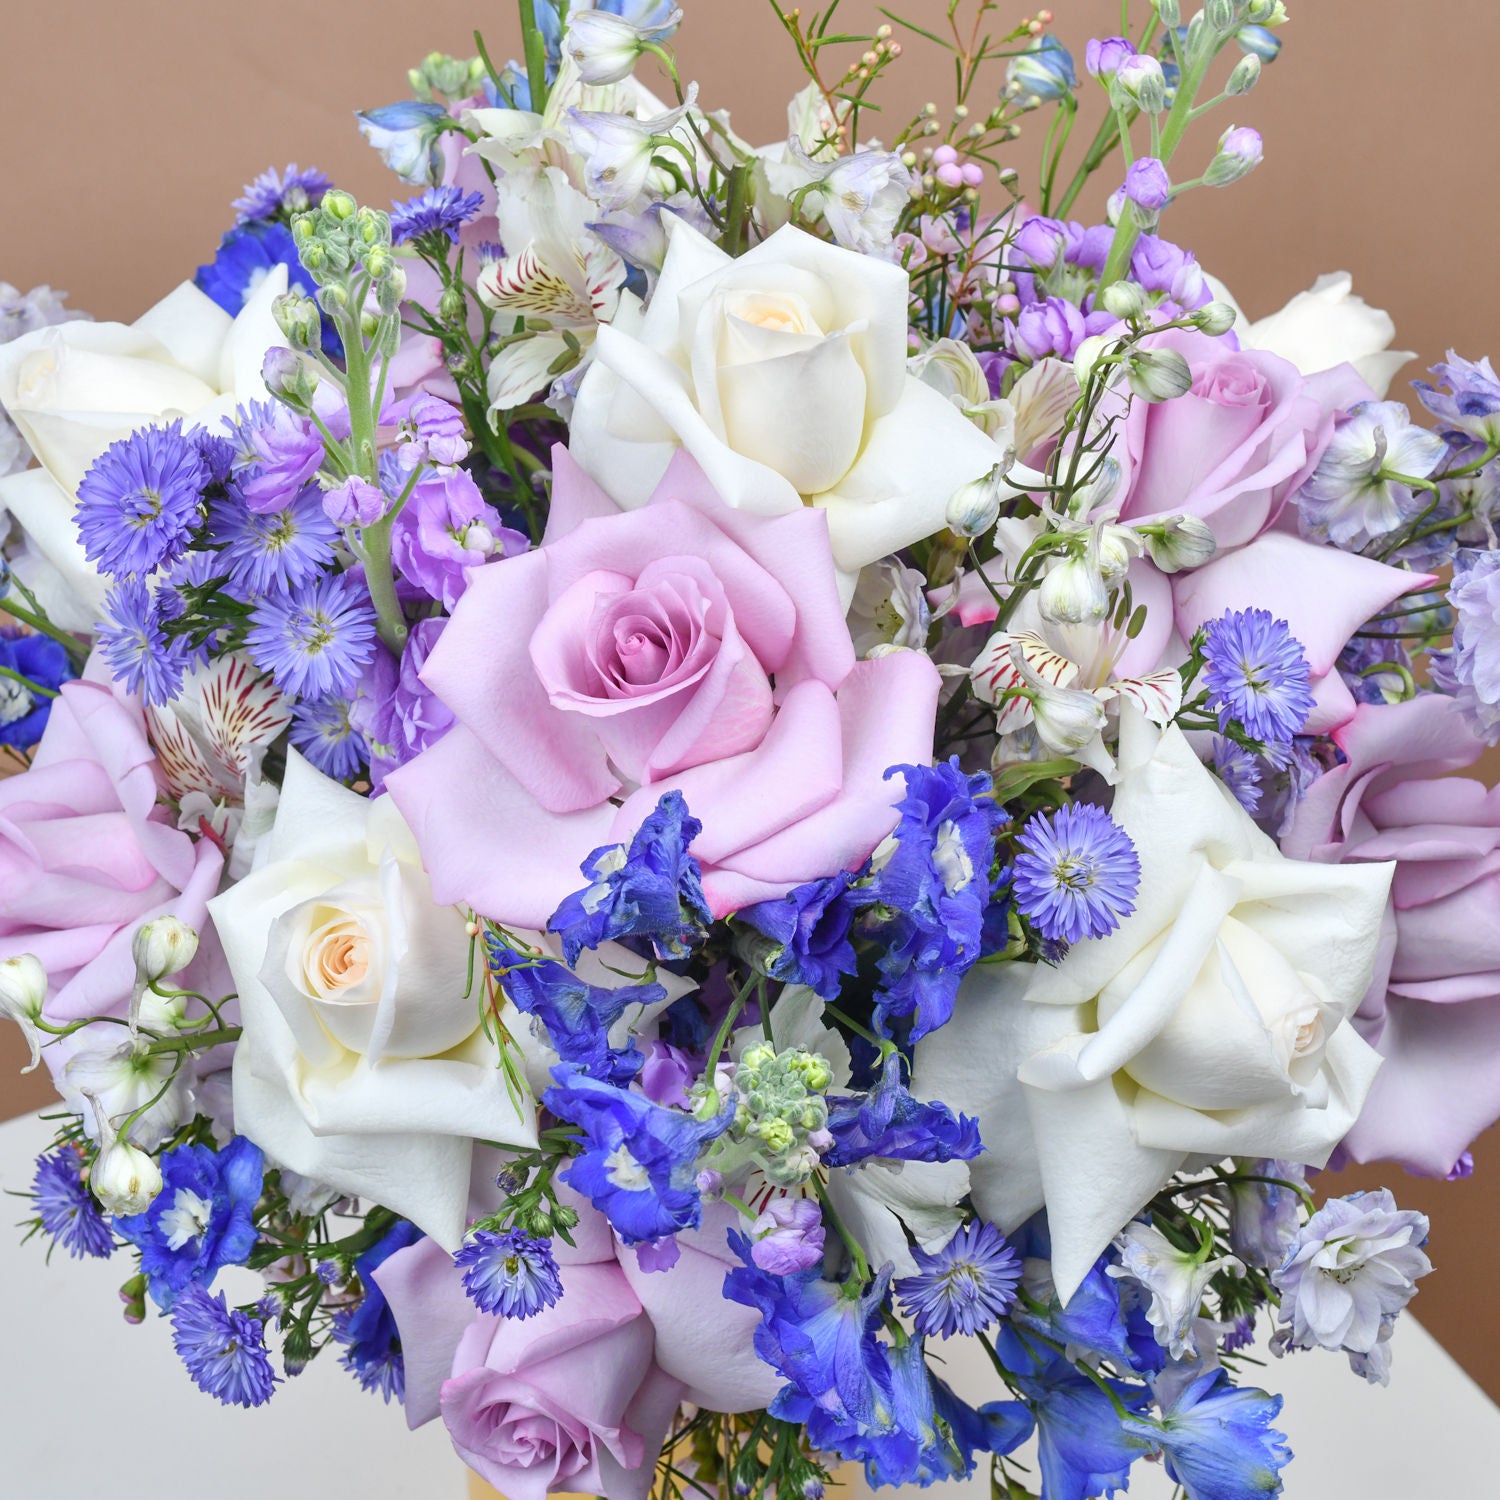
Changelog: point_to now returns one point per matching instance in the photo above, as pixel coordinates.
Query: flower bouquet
(680, 770)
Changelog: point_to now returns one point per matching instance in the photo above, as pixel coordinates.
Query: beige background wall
(128, 127)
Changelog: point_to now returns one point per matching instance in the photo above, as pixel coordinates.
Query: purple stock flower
(140, 500)
(395, 713)
(1147, 184)
(438, 211)
(788, 1237)
(355, 502)
(667, 1075)
(1050, 327)
(1240, 152)
(1103, 56)
(429, 430)
(315, 641)
(1159, 266)
(272, 192)
(284, 451)
(444, 529)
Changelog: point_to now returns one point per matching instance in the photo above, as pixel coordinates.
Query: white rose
(75, 388)
(1209, 1024)
(362, 1063)
(1325, 327)
(783, 373)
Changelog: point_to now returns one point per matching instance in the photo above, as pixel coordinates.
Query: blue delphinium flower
(245, 257)
(39, 659)
(224, 1350)
(889, 1124)
(1043, 73)
(576, 1015)
(67, 1208)
(509, 1273)
(653, 889)
(287, 192)
(140, 501)
(927, 890)
(1218, 1441)
(276, 550)
(1256, 675)
(639, 1161)
(372, 1344)
(438, 211)
(202, 1220)
(317, 640)
(1466, 398)
(1076, 873)
(322, 732)
(657, 16)
(1240, 770)
(965, 1286)
(1083, 1448)
(1471, 671)
(141, 655)
(408, 135)
(810, 928)
(819, 1336)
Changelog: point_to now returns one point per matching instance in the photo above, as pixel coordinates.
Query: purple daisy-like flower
(440, 210)
(224, 1351)
(1257, 675)
(511, 1273)
(66, 1207)
(1239, 769)
(141, 655)
(273, 192)
(323, 732)
(267, 551)
(140, 501)
(964, 1287)
(317, 640)
(1076, 873)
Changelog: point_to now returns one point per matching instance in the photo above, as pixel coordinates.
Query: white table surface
(90, 1405)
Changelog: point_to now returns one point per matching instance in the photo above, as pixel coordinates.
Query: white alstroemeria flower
(618, 149)
(783, 373)
(557, 271)
(890, 610)
(951, 368)
(362, 1063)
(1210, 1023)
(75, 388)
(1324, 327)
(1173, 1280)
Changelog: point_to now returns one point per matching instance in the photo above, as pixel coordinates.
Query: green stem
(830, 1216)
(535, 47)
(732, 241)
(27, 683)
(390, 622)
(40, 622)
(201, 1042)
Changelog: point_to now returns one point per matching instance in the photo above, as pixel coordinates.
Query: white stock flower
(1210, 1023)
(362, 1062)
(1174, 1282)
(76, 388)
(783, 373)
(1324, 327)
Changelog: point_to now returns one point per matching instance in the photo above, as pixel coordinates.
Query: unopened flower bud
(1245, 76)
(298, 319)
(123, 1178)
(379, 262)
(1239, 154)
(604, 46)
(162, 946)
(288, 377)
(391, 290)
(1147, 184)
(133, 1295)
(1073, 593)
(23, 990)
(1170, 12)
(1222, 15)
(1116, 547)
(1214, 318)
(452, 304)
(1140, 81)
(1158, 374)
(296, 1349)
(339, 204)
(1123, 300)
(1266, 13)
(1180, 542)
(1090, 351)
(1264, 43)
(1066, 719)
(975, 507)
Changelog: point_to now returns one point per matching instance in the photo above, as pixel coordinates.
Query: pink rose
(1233, 451)
(87, 852)
(681, 646)
(1433, 1010)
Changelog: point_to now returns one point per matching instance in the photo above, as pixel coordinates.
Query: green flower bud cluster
(347, 251)
(779, 1104)
(451, 77)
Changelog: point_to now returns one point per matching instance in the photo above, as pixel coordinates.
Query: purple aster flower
(282, 450)
(394, 712)
(429, 430)
(1473, 666)
(788, 1236)
(1467, 397)
(1239, 769)
(140, 501)
(140, 654)
(444, 529)
(323, 732)
(1076, 873)
(315, 641)
(272, 193)
(1256, 675)
(967, 1285)
(268, 552)
(438, 211)
(40, 660)
(509, 1273)
(224, 1351)
(1147, 184)
(66, 1207)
